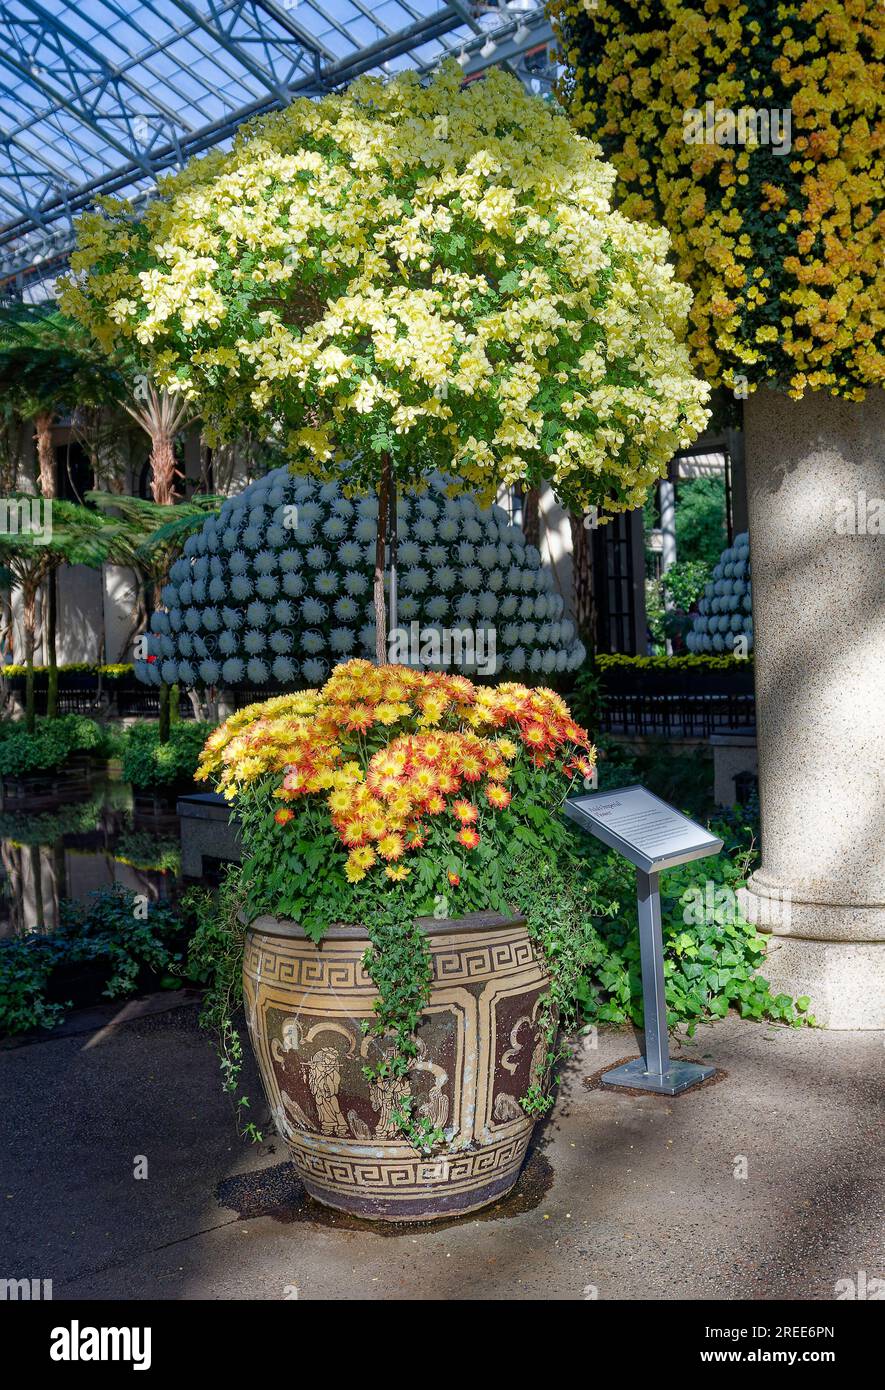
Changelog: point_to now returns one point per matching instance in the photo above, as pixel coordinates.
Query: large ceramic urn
(480, 1048)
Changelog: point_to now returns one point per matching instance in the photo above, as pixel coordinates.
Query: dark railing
(83, 692)
(639, 703)
(678, 704)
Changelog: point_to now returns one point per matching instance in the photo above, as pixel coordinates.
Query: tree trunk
(49, 489)
(531, 516)
(164, 469)
(51, 627)
(380, 548)
(582, 581)
(163, 730)
(45, 452)
(29, 622)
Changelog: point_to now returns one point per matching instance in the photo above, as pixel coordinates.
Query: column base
(775, 907)
(845, 980)
(833, 953)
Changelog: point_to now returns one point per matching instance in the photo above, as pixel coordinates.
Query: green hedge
(618, 661)
(115, 671)
(52, 744)
(154, 766)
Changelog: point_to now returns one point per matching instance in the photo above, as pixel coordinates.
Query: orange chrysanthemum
(379, 804)
(391, 847)
(498, 796)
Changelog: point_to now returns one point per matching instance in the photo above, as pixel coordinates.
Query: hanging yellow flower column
(753, 132)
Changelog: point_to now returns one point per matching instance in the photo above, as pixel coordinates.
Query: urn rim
(266, 924)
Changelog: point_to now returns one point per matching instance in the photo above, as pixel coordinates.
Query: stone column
(816, 484)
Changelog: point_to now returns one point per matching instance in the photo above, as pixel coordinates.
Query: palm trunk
(163, 469)
(139, 616)
(8, 631)
(380, 548)
(45, 452)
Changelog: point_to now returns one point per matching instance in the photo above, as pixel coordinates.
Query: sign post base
(678, 1077)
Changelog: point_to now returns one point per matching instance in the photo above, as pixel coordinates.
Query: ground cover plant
(119, 940)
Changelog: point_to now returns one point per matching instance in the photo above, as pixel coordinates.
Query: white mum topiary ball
(725, 611)
(290, 594)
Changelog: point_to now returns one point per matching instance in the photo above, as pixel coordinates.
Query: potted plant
(391, 282)
(400, 1007)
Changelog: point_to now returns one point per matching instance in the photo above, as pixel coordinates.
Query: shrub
(114, 671)
(108, 930)
(585, 908)
(684, 582)
(149, 764)
(697, 664)
(51, 744)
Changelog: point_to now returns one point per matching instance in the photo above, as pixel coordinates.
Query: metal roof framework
(103, 96)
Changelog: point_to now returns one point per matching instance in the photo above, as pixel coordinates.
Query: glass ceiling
(101, 96)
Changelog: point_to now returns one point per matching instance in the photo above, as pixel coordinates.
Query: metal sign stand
(652, 836)
(655, 1071)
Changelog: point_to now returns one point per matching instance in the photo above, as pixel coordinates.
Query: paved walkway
(623, 1197)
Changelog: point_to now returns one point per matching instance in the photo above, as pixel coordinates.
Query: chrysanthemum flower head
(380, 777)
(497, 796)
